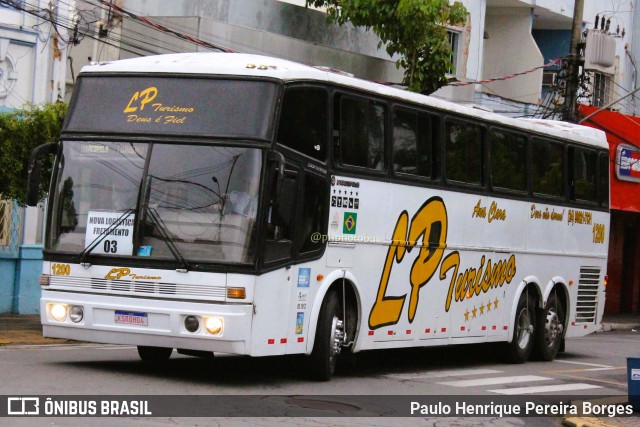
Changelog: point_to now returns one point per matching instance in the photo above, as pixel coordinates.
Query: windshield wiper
(86, 251)
(162, 228)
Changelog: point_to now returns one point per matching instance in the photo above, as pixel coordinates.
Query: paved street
(593, 366)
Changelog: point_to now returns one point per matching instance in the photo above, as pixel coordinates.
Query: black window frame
(570, 181)
(604, 166)
(444, 140)
(328, 129)
(501, 191)
(563, 169)
(433, 137)
(335, 118)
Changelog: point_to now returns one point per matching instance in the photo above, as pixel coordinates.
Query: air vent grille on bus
(139, 288)
(587, 305)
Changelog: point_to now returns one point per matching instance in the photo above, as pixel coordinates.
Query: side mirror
(34, 171)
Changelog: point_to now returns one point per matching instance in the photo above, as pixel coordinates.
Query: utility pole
(571, 90)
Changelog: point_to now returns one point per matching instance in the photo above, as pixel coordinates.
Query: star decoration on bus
(473, 313)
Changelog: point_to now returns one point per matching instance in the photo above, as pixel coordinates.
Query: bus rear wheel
(550, 329)
(154, 354)
(521, 346)
(329, 340)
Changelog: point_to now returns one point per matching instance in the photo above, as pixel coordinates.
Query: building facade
(507, 54)
(33, 56)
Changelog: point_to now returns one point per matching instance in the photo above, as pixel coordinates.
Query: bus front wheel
(329, 339)
(550, 329)
(520, 348)
(154, 354)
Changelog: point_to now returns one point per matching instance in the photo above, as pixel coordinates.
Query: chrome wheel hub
(553, 327)
(524, 328)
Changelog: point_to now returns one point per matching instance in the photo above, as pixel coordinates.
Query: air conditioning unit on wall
(600, 53)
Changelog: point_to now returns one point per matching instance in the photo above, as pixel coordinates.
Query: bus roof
(240, 64)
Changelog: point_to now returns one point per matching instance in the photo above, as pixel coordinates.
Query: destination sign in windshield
(172, 105)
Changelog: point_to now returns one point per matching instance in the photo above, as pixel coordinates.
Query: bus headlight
(214, 325)
(76, 314)
(58, 312)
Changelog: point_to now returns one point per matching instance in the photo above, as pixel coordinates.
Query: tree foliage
(414, 29)
(20, 132)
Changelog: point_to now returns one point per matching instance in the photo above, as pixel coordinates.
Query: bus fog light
(58, 312)
(214, 325)
(76, 314)
(191, 323)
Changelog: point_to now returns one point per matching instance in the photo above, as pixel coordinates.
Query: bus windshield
(197, 202)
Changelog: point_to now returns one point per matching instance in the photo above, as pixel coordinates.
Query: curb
(597, 422)
(606, 327)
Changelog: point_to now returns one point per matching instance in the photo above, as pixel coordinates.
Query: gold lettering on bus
(430, 223)
(145, 97)
(546, 214)
(496, 213)
(117, 273)
(473, 281)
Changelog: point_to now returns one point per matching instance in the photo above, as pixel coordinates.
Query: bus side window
(583, 172)
(361, 133)
(547, 165)
(508, 161)
(463, 153)
(280, 220)
(303, 121)
(314, 213)
(411, 143)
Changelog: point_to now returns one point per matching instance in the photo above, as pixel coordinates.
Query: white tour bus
(223, 202)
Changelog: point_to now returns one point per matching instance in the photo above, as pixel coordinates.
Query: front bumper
(164, 322)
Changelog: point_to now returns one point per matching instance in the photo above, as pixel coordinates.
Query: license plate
(131, 318)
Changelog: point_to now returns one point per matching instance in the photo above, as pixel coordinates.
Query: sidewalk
(16, 329)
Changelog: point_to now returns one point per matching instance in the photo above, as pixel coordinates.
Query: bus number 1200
(60, 269)
(598, 233)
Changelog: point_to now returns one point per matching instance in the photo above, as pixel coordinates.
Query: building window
(454, 41)
(602, 89)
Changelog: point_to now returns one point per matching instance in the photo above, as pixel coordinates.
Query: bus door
(309, 241)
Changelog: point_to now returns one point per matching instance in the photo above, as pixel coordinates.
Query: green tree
(20, 132)
(414, 29)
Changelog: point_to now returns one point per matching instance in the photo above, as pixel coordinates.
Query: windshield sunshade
(170, 105)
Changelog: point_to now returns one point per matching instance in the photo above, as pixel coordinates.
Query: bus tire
(329, 340)
(550, 330)
(154, 354)
(521, 346)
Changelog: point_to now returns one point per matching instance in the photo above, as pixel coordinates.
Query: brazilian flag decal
(349, 224)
